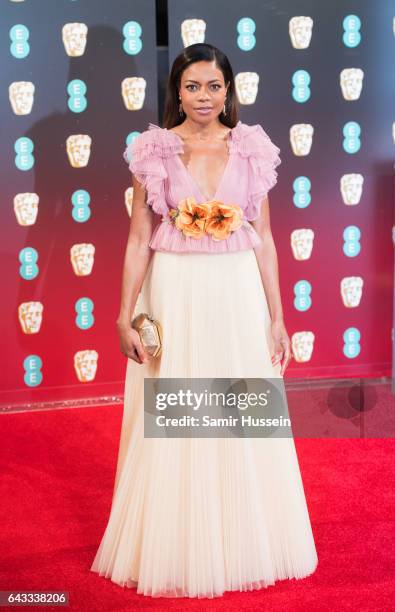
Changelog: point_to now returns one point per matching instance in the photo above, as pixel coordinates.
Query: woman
(194, 516)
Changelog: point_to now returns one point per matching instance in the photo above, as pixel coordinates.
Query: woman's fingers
(287, 359)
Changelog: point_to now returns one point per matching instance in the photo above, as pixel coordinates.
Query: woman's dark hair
(197, 53)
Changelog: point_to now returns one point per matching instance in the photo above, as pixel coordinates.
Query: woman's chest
(207, 177)
(206, 167)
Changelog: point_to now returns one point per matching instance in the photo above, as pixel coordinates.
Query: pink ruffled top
(153, 157)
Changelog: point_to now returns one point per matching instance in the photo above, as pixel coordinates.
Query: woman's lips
(204, 110)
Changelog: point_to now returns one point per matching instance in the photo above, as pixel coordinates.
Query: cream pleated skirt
(195, 517)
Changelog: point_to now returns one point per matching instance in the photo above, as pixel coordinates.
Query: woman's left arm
(266, 256)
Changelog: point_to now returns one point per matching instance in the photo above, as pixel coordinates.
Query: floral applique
(212, 217)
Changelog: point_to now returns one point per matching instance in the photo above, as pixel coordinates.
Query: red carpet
(57, 474)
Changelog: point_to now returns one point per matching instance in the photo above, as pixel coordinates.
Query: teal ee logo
(351, 347)
(301, 86)
(19, 35)
(130, 138)
(302, 291)
(80, 200)
(28, 258)
(84, 309)
(351, 133)
(132, 31)
(351, 27)
(77, 101)
(246, 34)
(32, 365)
(352, 236)
(24, 159)
(301, 187)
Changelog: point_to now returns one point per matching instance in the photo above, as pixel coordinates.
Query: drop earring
(224, 109)
(180, 109)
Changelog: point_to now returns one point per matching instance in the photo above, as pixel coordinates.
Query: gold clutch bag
(150, 332)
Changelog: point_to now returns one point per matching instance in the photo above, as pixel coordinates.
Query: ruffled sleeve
(263, 157)
(145, 155)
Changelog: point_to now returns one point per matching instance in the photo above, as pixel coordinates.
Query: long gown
(195, 517)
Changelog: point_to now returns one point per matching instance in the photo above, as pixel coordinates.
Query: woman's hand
(282, 345)
(131, 344)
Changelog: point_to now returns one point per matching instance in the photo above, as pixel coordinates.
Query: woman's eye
(216, 85)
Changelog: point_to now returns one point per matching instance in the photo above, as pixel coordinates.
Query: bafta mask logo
(74, 38)
(26, 208)
(21, 96)
(78, 147)
(300, 31)
(247, 87)
(351, 80)
(351, 291)
(30, 317)
(351, 186)
(82, 258)
(302, 345)
(302, 243)
(301, 137)
(129, 200)
(193, 31)
(133, 92)
(85, 365)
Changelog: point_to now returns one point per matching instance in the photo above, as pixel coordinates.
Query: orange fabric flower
(223, 220)
(191, 217)
(212, 217)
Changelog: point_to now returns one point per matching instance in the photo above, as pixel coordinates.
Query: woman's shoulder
(252, 140)
(163, 136)
(155, 141)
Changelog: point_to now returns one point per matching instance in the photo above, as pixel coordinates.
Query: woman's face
(202, 91)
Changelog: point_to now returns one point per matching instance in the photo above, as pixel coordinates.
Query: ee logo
(301, 187)
(352, 245)
(351, 133)
(84, 309)
(301, 86)
(32, 365)
(130, 139)
(77, 100)
(28, 258)
(246, 34)
(302, 291)
(80, 201)
(23, 148)
(132, 31)
(351, 27)
(19, 35)
(351, 347)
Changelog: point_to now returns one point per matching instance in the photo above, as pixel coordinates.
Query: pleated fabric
(195, 517)
(250, 173)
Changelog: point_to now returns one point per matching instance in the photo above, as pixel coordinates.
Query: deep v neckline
(192, 180)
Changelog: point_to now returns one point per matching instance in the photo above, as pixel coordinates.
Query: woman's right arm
(136, 260)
